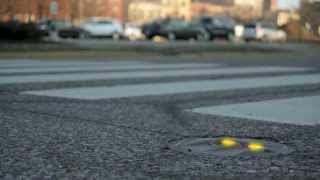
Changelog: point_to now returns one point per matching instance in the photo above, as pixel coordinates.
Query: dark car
(217, 27)
(154, 28)
(47, 25)
(179, 29)
(73, 32)
(173, 29)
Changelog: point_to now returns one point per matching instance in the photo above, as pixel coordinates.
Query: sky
(289, 4)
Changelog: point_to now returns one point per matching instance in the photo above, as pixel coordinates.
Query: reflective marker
(256, 147)
(229, 142)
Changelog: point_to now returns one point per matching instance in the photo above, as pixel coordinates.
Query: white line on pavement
(142, 74)
(300, 111)
(177, 87)
(100, 67)
(22, 64)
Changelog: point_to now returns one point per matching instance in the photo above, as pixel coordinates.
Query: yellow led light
(256, 147)
(228, 142)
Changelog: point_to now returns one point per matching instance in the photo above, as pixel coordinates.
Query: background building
(139, 10)
(187, 9)
(258, 7)
(143, 11)
(274, 5)
(31, 10)
(75, 10)
(239, 9)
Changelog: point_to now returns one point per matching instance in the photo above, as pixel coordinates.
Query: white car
(103, 27)
(263, 32)
(133, 32)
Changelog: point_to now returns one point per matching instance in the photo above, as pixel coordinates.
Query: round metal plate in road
(230, 147)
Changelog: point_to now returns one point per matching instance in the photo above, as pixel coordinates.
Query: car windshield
(104, 22)
(178, 23)
(268, 25)
(251, 25)
(206, 20)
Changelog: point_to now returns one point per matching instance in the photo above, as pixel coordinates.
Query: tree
(310, 13)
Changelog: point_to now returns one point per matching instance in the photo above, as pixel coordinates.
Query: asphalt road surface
(156, 119)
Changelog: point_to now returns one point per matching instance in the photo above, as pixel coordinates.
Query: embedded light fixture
(256, 146)
(229, 142)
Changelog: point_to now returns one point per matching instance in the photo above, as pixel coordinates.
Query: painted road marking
(177, 87)
(22, 64)
(101, 67)
(299, 111)
(142, 74)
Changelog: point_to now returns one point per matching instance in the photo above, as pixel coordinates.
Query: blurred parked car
(47, 25)
(173, 28)
(133, 32)
(263, 31)
(217, 26)
(15, 30)
(154, 28)
(103, 27)
(73, 32)
(179, 29)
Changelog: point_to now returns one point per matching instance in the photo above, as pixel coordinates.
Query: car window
(251, 25)
(218, 22)
(268, 25)
(105, 22)
(228, 21)
(177, 23)
(194, 23)
(206, 20)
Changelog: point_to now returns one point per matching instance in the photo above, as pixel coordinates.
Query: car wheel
(83, 35)
(230, 37)
(149, 37)
(171, 37)
(116, 36)
(265, 39)
(203, 36)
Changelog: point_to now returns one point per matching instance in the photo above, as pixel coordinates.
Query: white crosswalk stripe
(22, 64)
(300, 111)
(284, 111)
(142, 74)
(177, 87)
(105, 67)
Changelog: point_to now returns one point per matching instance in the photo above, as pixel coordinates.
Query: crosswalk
(94, 93)
(300, 111)
(141, 74)
(102, 67)
(13, 73)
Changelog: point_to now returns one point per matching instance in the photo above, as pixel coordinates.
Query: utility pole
(54, 8)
